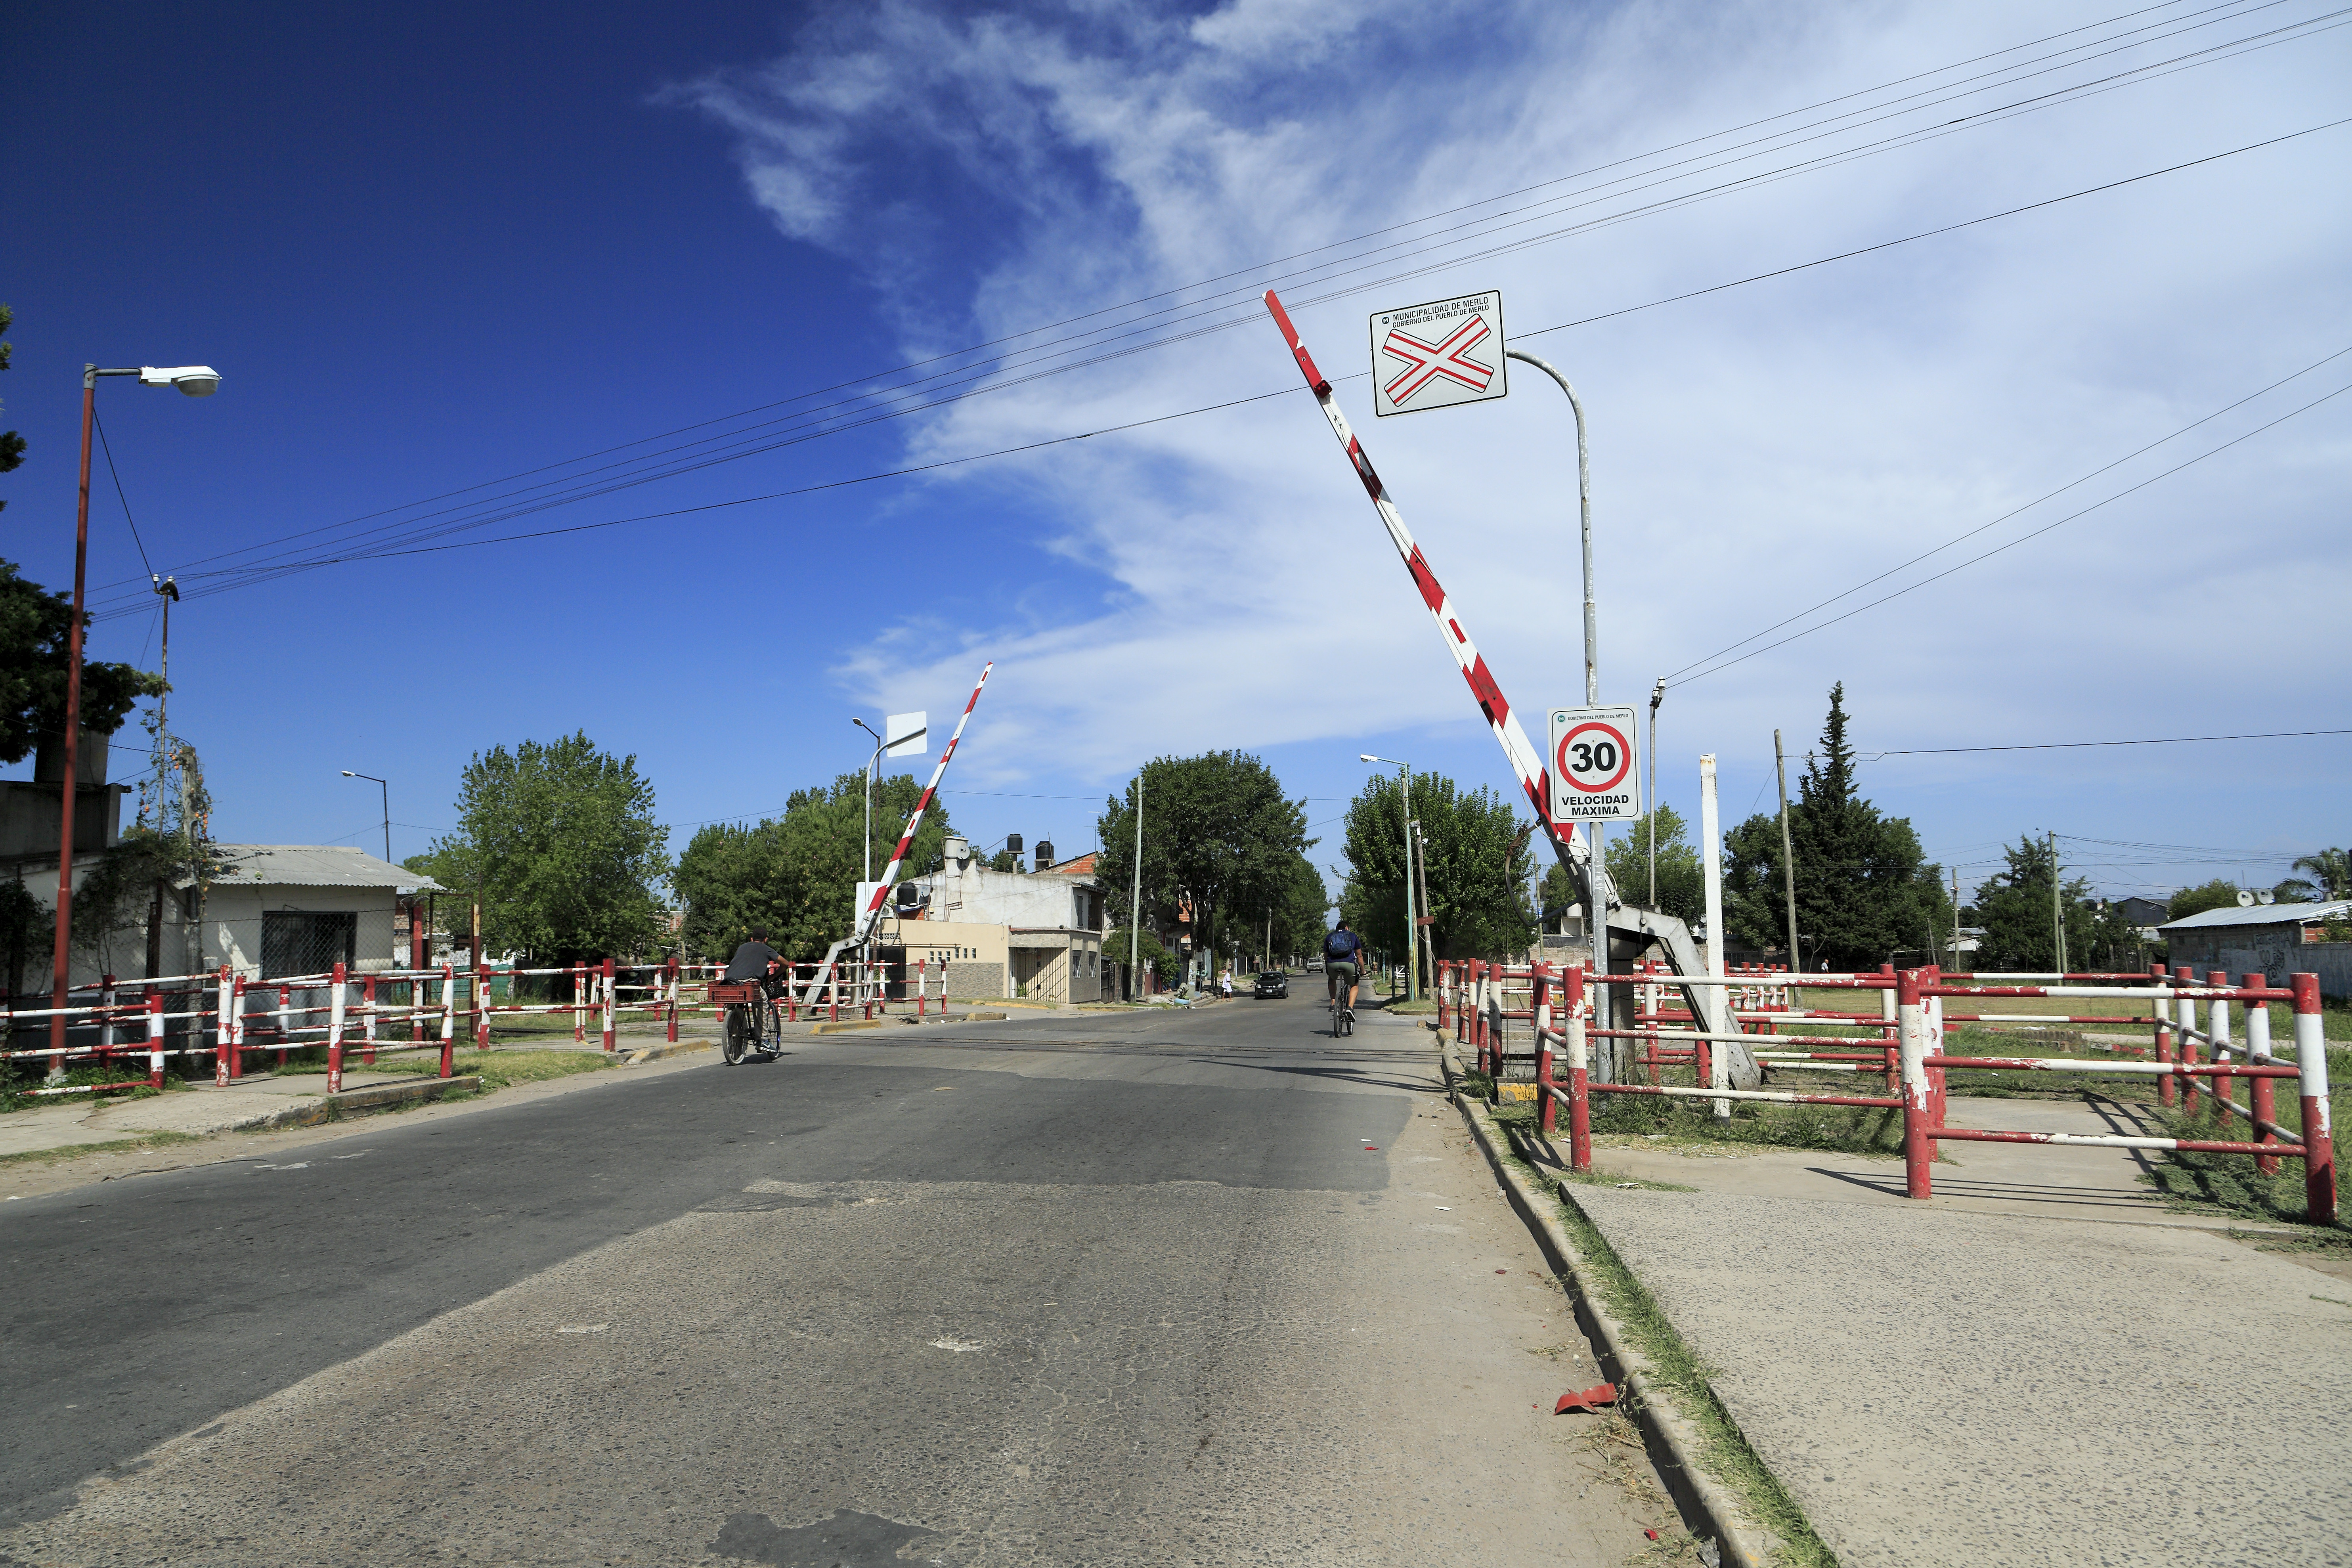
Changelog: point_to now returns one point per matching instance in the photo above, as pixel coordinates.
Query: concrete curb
(843, 1027)
(1740, 1540)
(666, 1049)
(309, 1112)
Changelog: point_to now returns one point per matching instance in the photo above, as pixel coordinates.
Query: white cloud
(1752, 451)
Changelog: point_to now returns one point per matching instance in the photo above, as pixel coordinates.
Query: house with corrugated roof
(279, 909)
(2275, 939)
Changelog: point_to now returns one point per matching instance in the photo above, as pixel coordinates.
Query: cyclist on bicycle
(755, 960)
(1343, 951)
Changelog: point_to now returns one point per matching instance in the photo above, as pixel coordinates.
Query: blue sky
(432, 250)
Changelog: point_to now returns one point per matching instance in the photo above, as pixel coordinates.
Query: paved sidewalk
(2041, 1364)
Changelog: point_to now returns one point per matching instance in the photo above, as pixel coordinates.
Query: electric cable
(254, 574)
(2036, 533)
(580, 493)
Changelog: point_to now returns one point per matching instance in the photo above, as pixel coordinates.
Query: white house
(1053, 922)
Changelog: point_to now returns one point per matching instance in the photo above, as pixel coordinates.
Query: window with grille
(307, 941)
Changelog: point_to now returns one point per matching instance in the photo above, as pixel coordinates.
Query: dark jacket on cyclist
(751, 960)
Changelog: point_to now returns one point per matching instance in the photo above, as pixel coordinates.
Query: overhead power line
(252, 575)
(2072, 745)
(883, 399)
(2021, 539)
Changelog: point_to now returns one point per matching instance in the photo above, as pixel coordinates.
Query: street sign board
(1591, 766)
(906, 734)
(1438, 353)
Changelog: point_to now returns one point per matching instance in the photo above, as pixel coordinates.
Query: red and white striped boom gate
(1526, 762)
(872, 912)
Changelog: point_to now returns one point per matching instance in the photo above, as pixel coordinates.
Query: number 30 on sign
(1593, 778)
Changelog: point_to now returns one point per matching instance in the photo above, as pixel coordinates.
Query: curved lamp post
(195, 381)
(1412, 925)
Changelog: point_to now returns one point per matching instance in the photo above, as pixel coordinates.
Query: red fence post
(2167, 1092)
(670, 977)
(2185, 1010)
(335, 1034)
(367, 1022)
(610, 991)
(1547, 1108)
(1931, 1009)
(448, 1020)
(2217, 1020)
(2261, 1092)
(222, 1053)
(2318, 1137)
(155, 1038)
(1918, 1146)
(1580, 1093)
(1894, 1049)
(237, 1030)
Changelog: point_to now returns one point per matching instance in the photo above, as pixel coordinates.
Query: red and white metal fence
(1908, 1054)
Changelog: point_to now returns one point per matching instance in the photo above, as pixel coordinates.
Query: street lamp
(873, 767)
(196, 381)
(387, 806)
(1596, 914)
(1412, 926)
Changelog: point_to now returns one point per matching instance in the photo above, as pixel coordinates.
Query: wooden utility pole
(1788, 854)
(2057, 910)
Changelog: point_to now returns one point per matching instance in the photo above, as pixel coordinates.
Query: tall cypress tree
(1864, 888)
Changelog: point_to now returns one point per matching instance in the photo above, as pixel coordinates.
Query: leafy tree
(797, 877)
(11, 446)
(2217, 894)
(1219, 836)
(1477, 868)
(1682, 881)
(1864, 887)
(1302, 915)
(2330, 878)
(559, 842)
(2013, 906)
(1148, 950)
(34, 627)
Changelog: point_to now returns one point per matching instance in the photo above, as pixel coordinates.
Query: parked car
(1273, 983)
(1313, 965)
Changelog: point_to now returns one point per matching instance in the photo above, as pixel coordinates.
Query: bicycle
(752, 1025)
(1343, 1018)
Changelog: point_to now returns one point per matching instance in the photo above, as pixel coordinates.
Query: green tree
(1682, 881)
(1148, 950)
(2014, 908)
(34, 627)
(1302, 915)
(796, 877)
(2330, 876)
(1477, 868)
(11, 446)
(559, 842)
(1866, 890)
(1219, 838)
(2217, 894)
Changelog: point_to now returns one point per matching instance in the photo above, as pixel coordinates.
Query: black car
(1273, 983)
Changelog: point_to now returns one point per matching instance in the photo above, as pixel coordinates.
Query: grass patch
(1673, 1365)
(2229, 1183)
(112, 1146)
(1597, 1177)
(497, 1070)
(33, 1075)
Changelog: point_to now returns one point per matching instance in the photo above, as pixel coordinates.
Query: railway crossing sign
(1591, 766)
(1439, 353)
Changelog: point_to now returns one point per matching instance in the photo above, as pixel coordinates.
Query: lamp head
(195, 380)
(349, 774)
(1366, 757)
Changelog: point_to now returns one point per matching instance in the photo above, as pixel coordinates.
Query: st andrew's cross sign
(1439, 353)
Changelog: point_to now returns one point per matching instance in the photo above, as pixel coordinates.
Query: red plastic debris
(1592, 1398)
(1371, 1148)
(1650, 1534)
(1502, 1271)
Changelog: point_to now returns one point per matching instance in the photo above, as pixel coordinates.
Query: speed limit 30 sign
(1593, 778)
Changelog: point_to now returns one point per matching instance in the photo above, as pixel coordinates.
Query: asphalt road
(1100, 1289)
